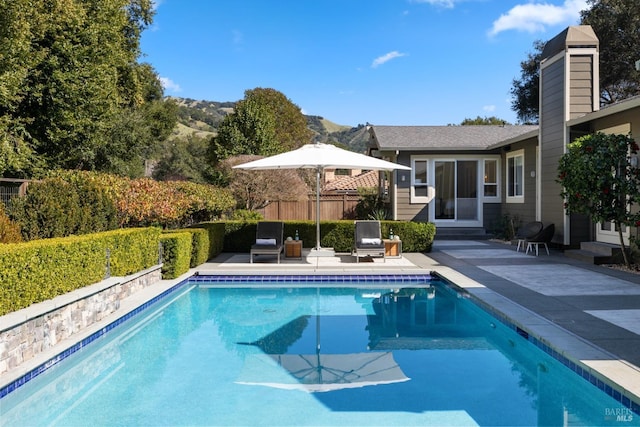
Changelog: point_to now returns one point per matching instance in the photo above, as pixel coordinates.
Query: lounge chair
(269, 239)
(527, 231)
(368, 240)
(542, 238)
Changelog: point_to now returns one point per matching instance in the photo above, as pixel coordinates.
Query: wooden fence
(332, 207)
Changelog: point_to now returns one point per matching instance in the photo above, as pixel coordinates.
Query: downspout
(394, 199)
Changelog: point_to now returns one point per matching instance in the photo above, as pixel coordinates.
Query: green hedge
(176, 253)
(216, 232)
(39, 270)
(200, 244)
(416, 236)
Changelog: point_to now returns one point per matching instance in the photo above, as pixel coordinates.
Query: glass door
(456, 190)
(445, 189)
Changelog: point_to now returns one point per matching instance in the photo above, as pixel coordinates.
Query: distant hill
(201, 118)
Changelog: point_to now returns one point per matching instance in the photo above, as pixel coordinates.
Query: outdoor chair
(269, 239)
(368, 240)
(527, 231)
(542, 238)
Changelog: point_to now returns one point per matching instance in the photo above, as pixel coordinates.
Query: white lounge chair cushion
(371, 241)
(265, 241)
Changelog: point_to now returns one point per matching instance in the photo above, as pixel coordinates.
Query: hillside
(201, 118)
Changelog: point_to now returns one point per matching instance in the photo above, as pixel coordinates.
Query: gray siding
(552, 143)
(581, 85)
(524, 212)
(407, 211)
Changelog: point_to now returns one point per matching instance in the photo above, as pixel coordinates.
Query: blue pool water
(375, 353)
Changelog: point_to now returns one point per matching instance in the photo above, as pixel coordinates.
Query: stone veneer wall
(42, 332)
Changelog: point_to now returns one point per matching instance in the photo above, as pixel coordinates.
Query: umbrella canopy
(322, 372)
(320, 156)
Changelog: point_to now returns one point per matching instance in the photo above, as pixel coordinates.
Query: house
(472, 176)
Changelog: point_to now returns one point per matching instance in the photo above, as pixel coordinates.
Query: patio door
(607, 232)
(456, 192)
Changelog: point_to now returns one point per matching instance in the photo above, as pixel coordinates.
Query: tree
(525, 91)
(617, 24)
(255, 189)
(489, 121)
(264, 123)
(185, 159)
(599, 180)
(68, 69)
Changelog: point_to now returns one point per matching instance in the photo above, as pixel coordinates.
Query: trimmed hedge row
(416, 236)
(176, 253)
(205, 241)
(35, 271)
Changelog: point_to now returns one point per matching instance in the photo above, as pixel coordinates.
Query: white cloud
(534, 17)
(170, 85)
(442, 3)
(489, 108)
(386, 58)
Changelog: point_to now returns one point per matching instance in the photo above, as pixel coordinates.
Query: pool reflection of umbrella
(279, 340)
(322, 372)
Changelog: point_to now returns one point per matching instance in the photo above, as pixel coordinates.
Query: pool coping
(615, 377)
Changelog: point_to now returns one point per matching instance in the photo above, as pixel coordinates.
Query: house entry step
(596, 253)
(462, 233)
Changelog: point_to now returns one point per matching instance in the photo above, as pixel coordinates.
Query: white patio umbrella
(320, 156)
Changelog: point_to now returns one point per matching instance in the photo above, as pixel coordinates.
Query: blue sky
(384, 62)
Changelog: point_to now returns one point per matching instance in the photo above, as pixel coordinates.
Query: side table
(293, 249)
(392, 248)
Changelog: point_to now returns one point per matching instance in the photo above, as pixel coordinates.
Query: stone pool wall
(37, 329)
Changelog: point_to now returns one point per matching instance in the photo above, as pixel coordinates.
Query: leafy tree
(67, 71)
(255, 189)
(525, 91)
(617, 25)
(490, 121)
(185, 159)
(264, 123)
(598, 180)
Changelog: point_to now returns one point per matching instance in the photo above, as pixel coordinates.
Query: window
(419, 181)
(491, 178)
(515, 177)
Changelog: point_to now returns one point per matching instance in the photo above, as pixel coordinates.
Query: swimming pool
(312, 350)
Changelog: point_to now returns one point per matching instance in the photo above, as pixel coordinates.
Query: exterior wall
(524, 212)
(581, 85)
(552, 142)
(42, 332)
(406, 211)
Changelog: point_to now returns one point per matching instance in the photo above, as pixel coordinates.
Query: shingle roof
(352, 183)
(446, 137)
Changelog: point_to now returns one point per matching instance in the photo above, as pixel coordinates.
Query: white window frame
(516, 198)
(429, 164)
(497, 198)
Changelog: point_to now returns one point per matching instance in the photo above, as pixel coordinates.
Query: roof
(478, 137)
(574, 36)
(607, 110)
(352, 183)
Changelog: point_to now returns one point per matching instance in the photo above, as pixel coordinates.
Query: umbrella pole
(318, 208)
